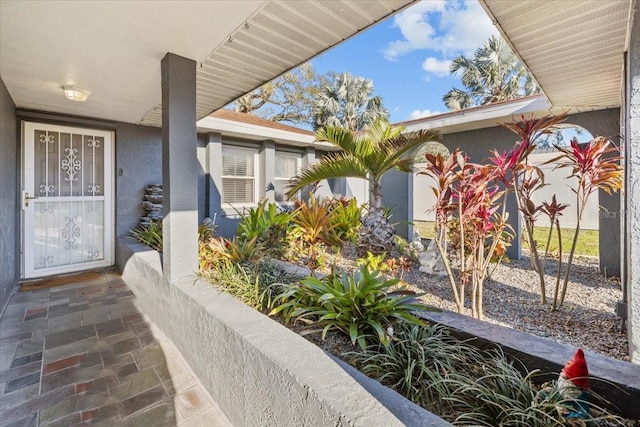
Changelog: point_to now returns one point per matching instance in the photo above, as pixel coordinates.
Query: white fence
(557, 183)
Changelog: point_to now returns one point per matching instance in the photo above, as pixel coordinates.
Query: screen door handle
(27, 198)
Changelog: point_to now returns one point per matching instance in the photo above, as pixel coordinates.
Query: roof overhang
(114, 48)
(252, 132)
(574, 48)
(487, 116)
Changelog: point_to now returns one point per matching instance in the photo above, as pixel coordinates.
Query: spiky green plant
(465, 385)
(268, 224)
(362, 305)
(150, 235)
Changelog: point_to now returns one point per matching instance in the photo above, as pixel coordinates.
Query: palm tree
(368, 155)
(493, 74)
(347, 103)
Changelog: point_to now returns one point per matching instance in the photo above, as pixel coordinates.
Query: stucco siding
(138, 164)
(9, 246)
(632, 208)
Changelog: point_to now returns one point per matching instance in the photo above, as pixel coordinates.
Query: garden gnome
(573, 384)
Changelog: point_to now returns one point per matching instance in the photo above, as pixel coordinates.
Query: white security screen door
(66, 199)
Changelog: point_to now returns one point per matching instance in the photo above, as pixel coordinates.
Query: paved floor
(83, 354)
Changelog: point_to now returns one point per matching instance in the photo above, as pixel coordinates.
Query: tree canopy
(347, 103)
(288, 98)
(493, 74)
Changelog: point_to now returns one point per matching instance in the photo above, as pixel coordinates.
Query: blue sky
(407, 56)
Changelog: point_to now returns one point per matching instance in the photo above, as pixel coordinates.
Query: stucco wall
(396, 192)
(8, 195)
(138, 164)
(259, 372)
(632, 207)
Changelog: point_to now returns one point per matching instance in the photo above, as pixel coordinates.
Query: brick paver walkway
(83, 354)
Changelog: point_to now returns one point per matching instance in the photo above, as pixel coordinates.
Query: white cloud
(418, 114)
(437, 67)
(461, 27)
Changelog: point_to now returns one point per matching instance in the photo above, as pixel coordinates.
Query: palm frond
(402, 149)
(337, 136)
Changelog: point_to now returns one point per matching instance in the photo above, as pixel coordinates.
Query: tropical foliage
(470, 212)
(362, 305)
(347, 102)
(368, 155)
(493, 74)
(595, 165)
(526, 179)
(465, 385)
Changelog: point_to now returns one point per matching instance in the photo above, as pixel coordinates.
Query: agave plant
(368, 155)
(595, 166)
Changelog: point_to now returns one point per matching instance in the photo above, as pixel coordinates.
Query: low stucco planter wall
(259, 372)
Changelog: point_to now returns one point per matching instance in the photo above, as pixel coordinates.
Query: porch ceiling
(113, 49)
(574, 48)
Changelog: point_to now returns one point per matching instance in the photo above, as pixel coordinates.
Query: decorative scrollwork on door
(93, 189)
(47, 139)
(47, 189)
(70, 164)
(70, 233)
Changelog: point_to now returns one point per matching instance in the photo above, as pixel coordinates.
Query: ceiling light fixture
(76, 93)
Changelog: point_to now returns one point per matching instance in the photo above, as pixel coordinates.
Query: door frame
(27, 152)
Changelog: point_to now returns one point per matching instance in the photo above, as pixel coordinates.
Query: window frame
(255, 177)
(298, 158)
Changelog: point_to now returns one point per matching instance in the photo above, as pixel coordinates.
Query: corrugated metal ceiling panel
(280, 36)
(574, 48)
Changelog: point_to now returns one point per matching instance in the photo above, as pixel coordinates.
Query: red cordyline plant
(553, 210)
(527, 179)
(595, 165)
(470, 208)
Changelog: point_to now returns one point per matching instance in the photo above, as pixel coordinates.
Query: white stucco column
(267, 169)
(179, 168)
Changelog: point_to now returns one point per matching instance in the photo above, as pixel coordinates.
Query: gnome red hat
(576, 371)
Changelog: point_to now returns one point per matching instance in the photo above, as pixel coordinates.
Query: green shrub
(345, 217)
(267, 224)
(150, 235)
(252, 283)
(361, 305)
(416, 358)
(464, 385)
(217, 252)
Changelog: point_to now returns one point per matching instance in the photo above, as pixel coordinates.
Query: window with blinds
(238, 175)
(286, 167)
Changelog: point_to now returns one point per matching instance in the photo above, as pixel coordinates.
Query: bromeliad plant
(471, 211)
(363, 305)
(267, 224)
(346, 218)
(596, 166)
